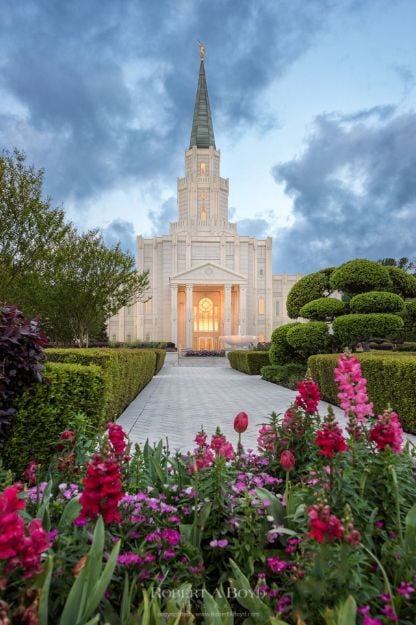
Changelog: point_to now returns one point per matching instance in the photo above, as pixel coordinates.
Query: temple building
(206, 281)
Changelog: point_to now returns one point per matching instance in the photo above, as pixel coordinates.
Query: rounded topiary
(377, 301)
(360, 276)
(403, 283)
(323, 308)
(354, 328)
(280, 351)
(310, 338)
(410, 308)
(308, 288)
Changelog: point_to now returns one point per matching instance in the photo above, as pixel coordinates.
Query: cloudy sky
(314, 110)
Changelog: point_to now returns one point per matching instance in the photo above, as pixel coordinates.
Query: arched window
(203, 169)
(207, 320)
(203, 206)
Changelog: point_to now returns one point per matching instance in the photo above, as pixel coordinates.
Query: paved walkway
(185, 395)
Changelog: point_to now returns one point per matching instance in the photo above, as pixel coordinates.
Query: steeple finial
(202, 134)
(201, 50)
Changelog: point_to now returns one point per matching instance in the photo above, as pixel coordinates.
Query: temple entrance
(206, 342)
(206, 319)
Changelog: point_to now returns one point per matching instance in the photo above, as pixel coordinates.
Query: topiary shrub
(360, 276)
(309, 338)
(286, 375)
(403, 283)
(43, 411)
(376, 301)
(280, 351)
(127, 371)
(21, 359)
(308, 288)
(322, 308)
(248, 361)
(352, 329)
(410, 306)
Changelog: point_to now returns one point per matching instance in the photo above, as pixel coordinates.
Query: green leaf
(410, 532)
(275, 509)
(44, 593)
(74, 603)
(70, 513)
(101, 585)
(212, 615)
(346, 614)
(260, 612)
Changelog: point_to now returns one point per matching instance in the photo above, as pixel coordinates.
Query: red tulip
(287, 460)
(241, 422)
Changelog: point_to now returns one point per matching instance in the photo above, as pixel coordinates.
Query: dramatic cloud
(123, 232)
(102, 91)
(353, 190)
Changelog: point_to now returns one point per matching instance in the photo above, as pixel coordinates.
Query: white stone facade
(206, 281)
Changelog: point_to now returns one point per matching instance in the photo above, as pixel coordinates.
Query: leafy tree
(89, 283)
(30, 230)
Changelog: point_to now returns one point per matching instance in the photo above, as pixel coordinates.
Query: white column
(189, 342)
(227, 306)
(243, 310)
(174, 313)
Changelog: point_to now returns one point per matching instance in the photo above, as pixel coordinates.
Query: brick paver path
(198, 392)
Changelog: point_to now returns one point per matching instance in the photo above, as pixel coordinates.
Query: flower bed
(205, 352)
(317, 527)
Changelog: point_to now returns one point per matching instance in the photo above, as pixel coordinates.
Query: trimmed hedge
(307, 289)
(410, 306)
(281, 352)
(248, 361)
(323, 308)
(391, 379)
(160, 359)
(286, 375)
(45, 410)
(310, 338)
(127, 371)
(351, 329)
(377, 301)
(360, 276)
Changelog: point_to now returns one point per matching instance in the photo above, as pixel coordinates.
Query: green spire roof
(202, 134)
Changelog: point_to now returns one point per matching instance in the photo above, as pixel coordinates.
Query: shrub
(322, 308)
(410, 307)
(280, 351)
(286, 375)
(21, 358)
(351, 329)
(248, 361)
(310, 338)
(160, 359)
(376, 301)
(403, 283)
(407, 346)
(43, 411)
(359, 276)
(127, 371)
(306, 290)
(391, 379)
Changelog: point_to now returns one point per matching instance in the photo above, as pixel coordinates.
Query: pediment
(208, 273)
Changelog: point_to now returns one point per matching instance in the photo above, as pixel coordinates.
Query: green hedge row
(160, 359)
(45, 410)
(126, 372)
(391, 379)
(248, 361)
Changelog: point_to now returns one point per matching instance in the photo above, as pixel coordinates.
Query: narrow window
(261, 305)
(277, 308)
(203, 169)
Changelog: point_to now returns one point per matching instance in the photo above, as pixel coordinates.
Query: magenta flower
(387, 432)
(277, 565)
(405, 590)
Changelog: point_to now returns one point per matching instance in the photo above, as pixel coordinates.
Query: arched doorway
(206, 320)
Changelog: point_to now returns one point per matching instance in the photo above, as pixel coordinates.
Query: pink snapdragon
(353, 388)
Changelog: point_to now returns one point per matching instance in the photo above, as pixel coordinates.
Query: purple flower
(173, 537)
(129, 558)
(405, 590)
(223, 542)
(277, 565)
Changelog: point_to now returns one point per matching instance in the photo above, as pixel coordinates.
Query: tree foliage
(322, 308)
(377, 301)
(307, 289)
(351, 329)
(360, 276)
(72, 280)
(310, 338)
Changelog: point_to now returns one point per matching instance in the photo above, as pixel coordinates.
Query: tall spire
(202, 134)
